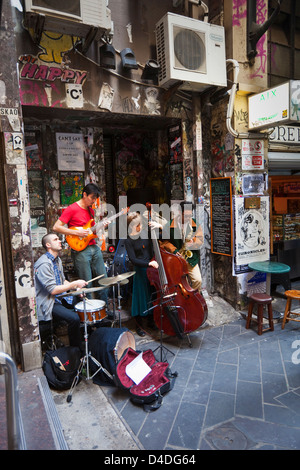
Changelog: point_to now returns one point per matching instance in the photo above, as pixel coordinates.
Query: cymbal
(108, 281)
(81, 291)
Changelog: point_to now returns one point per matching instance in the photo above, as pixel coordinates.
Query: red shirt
(76, 216)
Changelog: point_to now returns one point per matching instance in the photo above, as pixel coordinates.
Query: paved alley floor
(235, 390)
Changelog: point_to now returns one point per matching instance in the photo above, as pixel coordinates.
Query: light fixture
(107, 56)
(151, 70)
(128, 59)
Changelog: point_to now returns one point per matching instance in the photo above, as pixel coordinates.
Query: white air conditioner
(73, 17)
(191, 51)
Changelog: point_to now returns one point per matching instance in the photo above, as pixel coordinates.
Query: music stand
(86, 358)
(163, 300)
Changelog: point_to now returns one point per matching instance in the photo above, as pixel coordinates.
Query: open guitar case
(149, 392)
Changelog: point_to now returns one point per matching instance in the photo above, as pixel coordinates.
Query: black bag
(149, 392)
(60, 366)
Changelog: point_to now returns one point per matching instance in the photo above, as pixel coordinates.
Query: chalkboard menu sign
(221, 216)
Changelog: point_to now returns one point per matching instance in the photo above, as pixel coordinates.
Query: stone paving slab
(234, 390)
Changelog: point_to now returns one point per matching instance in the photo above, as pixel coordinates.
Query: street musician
(186, 238)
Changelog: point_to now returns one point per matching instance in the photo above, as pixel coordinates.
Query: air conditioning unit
(190, 51)
(73, 17)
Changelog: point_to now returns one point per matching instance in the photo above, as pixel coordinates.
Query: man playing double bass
(186, 238)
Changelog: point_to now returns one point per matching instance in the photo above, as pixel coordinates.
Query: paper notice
(137, 369)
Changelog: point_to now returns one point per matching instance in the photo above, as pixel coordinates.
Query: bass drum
(107, 346)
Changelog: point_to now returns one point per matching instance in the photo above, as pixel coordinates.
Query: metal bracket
(256, 31)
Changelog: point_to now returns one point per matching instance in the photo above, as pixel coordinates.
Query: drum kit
(92, 312)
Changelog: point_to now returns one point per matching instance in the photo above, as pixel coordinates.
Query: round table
(269, 267)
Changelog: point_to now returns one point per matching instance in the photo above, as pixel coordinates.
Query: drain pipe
(232, 94)
(199, 3)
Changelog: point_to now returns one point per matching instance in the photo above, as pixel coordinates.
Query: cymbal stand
(114, 298)
(119, 302)
(84, 361)
(114, 305)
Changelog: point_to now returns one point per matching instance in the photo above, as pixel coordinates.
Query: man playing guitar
(88, 262)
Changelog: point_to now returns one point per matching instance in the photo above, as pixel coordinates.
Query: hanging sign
(269, 107)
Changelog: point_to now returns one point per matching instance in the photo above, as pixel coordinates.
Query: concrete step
(40, 425)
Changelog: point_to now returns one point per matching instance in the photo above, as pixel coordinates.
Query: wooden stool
(260, 300)
(290, 294)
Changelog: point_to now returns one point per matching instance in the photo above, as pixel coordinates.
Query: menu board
(221, 215)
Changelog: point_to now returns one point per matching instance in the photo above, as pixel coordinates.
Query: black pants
(60, 313)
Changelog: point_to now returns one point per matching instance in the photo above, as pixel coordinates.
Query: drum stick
(98, 277)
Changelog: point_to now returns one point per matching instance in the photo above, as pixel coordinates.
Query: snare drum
(95, 310)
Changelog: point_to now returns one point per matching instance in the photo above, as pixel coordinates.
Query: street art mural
(239, 14)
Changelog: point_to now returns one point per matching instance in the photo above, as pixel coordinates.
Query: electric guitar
(80, 243)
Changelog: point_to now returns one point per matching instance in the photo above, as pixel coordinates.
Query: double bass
(178, 307)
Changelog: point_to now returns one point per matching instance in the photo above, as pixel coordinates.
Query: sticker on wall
(18, 143)
(23, 281)
(14, 156)
(175, 144)
(74, 95)
(152, 103)
(106, 97)
(33, 151)
(176, 181)
(252, 154)
(12, 115)
(36, 189)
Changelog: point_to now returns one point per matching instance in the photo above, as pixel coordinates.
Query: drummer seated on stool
(50, 282)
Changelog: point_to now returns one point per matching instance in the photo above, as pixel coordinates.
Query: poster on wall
(36, 189)
(38, 226)
(71, 185)
(176, 181)
(175, 144)
(253, 184)
(252, 236)
(33, 151)
(70, 151)
(37, 207)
